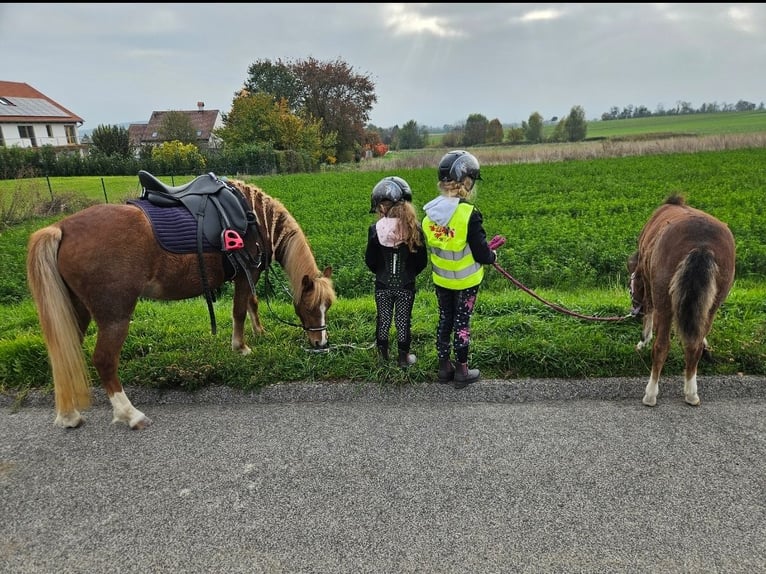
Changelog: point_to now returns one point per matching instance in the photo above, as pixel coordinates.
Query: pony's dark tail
(693, 290)
(58, 321)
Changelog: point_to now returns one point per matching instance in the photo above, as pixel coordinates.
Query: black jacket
(477, 239)
(394, 267)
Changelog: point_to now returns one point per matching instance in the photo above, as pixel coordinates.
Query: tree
(277, 79)
(177, 157)
(110, 141)
(256, 119)
(176, 126)
(576, 127)
(494, 132)
(475, 130)
(410, 136)
(327, 91)
(341, 98)
(515, 135)
(533, 129)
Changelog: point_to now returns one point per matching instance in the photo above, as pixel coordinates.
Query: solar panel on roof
(31, 107)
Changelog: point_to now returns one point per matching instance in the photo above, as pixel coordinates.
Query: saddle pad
(174, 227)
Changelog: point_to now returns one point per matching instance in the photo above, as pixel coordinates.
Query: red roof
(28, 100)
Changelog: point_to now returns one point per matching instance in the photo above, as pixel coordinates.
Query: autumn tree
(176, 126)
(177, 157)
(328, 91)
(259, 120)
(111, 140)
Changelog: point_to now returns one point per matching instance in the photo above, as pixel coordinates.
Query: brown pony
(95, 265)
(680, 275)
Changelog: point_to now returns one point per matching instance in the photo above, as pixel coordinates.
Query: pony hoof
(649, 401)
(693, 401)
(69, 420)
(141, 423)
(244, 350)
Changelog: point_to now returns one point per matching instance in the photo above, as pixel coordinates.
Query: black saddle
(223, 216)
(217, 206)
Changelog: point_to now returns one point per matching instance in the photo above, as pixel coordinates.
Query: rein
(558, 308)
(497, 241)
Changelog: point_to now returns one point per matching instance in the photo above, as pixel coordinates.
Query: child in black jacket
(396, 254)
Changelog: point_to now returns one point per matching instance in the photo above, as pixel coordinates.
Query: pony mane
(288, 243)
(675, 199)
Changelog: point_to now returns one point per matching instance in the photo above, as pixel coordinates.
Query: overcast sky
(432, 63)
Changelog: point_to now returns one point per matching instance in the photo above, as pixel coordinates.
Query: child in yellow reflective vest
(457, 243)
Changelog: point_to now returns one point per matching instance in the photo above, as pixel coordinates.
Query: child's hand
(496, 241)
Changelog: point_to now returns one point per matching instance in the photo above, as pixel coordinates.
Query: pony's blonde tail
(693, 291)
(58, 321)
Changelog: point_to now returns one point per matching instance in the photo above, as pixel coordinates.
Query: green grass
(688, 124)
(570, 227)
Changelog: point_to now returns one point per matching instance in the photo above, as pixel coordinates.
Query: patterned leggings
(455, 310)
(395, 304)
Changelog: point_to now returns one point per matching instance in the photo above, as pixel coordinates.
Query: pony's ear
(307, 283)
(327, 272)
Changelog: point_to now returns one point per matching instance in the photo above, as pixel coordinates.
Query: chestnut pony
(680, 275)
(94, 265)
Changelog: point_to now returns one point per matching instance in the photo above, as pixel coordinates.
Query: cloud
(405, 19)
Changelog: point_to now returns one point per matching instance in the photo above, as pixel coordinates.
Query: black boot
(405, 359)
(446, 371)
(464, 376)
(383, 349)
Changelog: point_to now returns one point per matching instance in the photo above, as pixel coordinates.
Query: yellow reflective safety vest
(452, 262)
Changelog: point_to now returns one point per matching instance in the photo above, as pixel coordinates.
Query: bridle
(280, 319)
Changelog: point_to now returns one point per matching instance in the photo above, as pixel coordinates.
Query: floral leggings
(455, 310)
(395, 304)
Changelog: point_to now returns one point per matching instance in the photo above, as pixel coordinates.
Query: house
(203, 121)
(29, 118)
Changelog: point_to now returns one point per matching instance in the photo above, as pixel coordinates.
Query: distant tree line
(295, 116)
(681, 108)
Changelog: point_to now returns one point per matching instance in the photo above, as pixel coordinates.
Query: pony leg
(692, 355)
(245, 304)
(123, 411)
(659, 356)
(106, 358)
(252, 311)
(646, 331)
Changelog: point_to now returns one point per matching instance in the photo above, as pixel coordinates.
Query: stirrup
(231, 240)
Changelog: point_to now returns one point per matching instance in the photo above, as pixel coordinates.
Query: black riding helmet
(392, 188)
(457, 165)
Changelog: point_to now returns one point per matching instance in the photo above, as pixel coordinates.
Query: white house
(29, 118)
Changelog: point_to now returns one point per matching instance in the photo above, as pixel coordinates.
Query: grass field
(687, 124)
(570, 227)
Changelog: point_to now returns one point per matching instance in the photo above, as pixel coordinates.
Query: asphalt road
(505, 476)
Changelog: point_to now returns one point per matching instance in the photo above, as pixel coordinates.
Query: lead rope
(499, 240)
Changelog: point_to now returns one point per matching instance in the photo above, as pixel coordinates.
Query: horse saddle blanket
(174, 227)
(214, 205)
